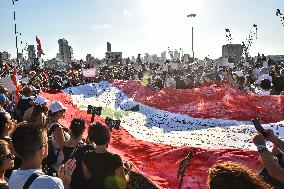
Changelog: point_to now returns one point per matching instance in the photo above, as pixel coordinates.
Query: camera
(94, 110)
(113, 124)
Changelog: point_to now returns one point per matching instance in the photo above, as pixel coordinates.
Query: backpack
(51, 158)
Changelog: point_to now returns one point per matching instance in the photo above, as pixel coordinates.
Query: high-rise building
(176, 55)
(65, 51)
(232, 51)
(31, 52)
(163, 56)
(88, 58)
(108, 47)
(154, 58)
(4, 58)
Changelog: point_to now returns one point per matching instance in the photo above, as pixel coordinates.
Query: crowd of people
(40, 153)
(36, 151)
(258, 75)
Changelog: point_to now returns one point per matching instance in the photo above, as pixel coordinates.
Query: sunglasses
(9, 156)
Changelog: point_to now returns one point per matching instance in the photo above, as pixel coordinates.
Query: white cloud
(101, 26)
(126, 12)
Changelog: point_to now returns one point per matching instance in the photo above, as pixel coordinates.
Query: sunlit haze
(142, 26)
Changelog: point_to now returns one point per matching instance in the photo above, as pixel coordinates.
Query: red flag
(17, 84)
(39, 48)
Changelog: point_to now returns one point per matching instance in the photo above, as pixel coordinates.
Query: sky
(142, 26)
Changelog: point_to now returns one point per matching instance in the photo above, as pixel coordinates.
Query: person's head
(230, 175)
(3, 100)
(90, 171)
(77, 127)
(3, 90)
(6, 123)
(6, 158)
(265, 84)
(38, 117)
(27, 91)
(99, 134)
(241, 81)
(39, 111)
(30, 142)
(56, 110)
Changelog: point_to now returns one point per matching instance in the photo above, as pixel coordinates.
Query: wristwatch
(261, 147)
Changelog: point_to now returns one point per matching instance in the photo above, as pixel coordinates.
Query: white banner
(8, 83)
(89, 72)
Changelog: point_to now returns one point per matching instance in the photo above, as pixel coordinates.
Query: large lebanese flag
(212, 121)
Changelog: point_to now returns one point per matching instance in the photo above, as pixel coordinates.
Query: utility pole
(192, 16)
(15, 29)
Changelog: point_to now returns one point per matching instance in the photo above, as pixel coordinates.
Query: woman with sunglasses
(6, 162)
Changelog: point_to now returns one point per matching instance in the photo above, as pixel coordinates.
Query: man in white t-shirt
(31, 145)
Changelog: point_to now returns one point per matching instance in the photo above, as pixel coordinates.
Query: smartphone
(259, 127)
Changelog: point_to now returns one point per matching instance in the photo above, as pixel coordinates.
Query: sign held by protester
(8, 83)
(89, 72)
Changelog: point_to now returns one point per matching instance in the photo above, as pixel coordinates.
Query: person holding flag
(39, 48)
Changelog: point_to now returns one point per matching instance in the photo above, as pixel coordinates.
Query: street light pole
(192, 16)
(15, 25)
(192, 42)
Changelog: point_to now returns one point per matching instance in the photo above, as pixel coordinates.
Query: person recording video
(272, 161)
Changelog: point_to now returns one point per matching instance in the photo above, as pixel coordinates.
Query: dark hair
(265, 84)
(77, 127)
(3, 148)
(37, 111)
(100, 170)
(3, 121)
(27, 139)
(54, 114)
(99, 133)
(241, 80)
(231, 175)
(27, 91)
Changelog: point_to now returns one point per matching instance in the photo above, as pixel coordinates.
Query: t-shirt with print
(20, 177)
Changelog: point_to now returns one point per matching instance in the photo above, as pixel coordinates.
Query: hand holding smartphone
(259, 127)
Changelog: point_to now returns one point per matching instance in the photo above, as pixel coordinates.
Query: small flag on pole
(39, 48)
(17, 84)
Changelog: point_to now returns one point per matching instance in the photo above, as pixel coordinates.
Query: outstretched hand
(66, 170)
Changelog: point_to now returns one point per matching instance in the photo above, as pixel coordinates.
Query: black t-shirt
(278, 84)
(77, 179)
(102, 167)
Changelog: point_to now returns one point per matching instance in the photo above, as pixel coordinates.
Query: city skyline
(142, 26)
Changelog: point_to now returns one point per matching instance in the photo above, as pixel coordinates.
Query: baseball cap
(56, 106)
(3, 98)
(239, 73)
(40, 100)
